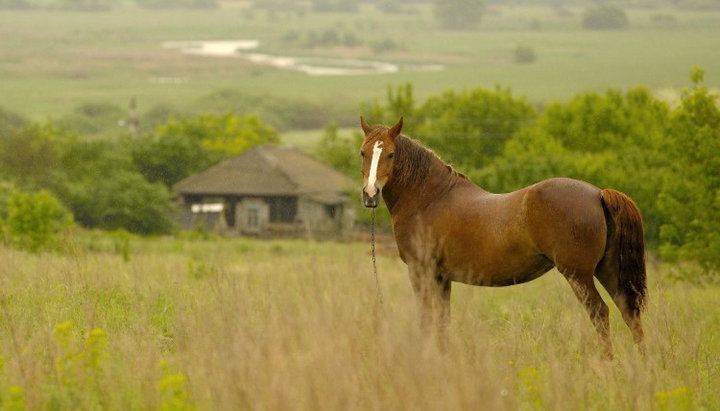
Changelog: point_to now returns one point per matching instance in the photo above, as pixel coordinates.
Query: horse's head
(378, 152)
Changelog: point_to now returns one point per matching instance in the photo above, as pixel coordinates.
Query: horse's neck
(414, 194)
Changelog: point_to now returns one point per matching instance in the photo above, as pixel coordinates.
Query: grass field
(246, 324)
(51, 62)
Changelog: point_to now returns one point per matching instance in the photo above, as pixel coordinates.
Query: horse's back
(566, 220)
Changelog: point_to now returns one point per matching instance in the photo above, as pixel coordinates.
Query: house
(268, 190)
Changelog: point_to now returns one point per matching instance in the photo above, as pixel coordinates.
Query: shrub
(323, 6)
(177, 4)
(182, 147)
(96, 118)
(664, 20)
(690, 197)
(10, 120)
(604, 18)
(32, 220)
(470, 127)
(30, 155)
(524, 54)
(385, 45)
(339, 153)
(123, 200)
(14, 4)
(459, 14)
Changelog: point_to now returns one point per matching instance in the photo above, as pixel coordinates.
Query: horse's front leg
(432, 292)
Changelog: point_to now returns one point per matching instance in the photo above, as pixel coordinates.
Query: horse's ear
(365, 126)
(396, 129)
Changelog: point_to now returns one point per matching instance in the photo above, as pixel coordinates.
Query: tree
(459, 14)
(690, 197)
(604, 17)
(92, 5)
(14, 4)
(170, 157)
(30, 155)
(10, 121)
(31, 221)
(102, 187)
(128, 201)
(95, 118)
(469, 128)
(177, 4)
(182, 147)
(399, 103)
(339, 153)
(614, 140)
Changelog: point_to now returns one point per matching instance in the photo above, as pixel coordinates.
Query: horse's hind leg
(608, 277)
(583, 285)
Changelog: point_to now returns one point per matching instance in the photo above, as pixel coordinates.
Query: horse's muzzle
(371, 202)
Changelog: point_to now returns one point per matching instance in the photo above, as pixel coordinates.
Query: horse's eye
(391, 155)
(362, 154)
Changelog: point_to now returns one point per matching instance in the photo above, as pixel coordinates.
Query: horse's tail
(630, 245)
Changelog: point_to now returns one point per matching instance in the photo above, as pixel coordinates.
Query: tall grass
(242, 324)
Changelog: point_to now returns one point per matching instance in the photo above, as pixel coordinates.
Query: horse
(448, 229)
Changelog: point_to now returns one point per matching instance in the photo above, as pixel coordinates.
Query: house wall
(251, 215)
(291, 216)
(211, 220)
(316, 216)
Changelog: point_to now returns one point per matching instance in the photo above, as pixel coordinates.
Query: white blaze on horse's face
(378, 152)
(370, 187)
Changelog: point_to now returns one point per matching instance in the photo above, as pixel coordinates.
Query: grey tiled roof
(267, 171)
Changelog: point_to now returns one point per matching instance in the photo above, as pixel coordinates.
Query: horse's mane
(413, 161)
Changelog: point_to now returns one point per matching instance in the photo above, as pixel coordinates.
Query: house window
(253, 221)
(283, 209)
(331, 210)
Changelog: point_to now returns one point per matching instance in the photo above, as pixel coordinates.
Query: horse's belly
(499, 273)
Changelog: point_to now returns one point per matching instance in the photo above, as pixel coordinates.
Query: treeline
(105, 119)
(664, 156)
(50, 177)
(101, 5)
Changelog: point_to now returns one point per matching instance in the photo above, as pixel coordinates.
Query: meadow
(205, 323)
(52, 62)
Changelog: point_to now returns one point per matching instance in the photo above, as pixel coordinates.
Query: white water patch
(314, 66)
(215, 48)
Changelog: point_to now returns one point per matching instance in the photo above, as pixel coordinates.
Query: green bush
(469, 128)
(689, 201)
(524, 54)
(96, 118)
(341, 154)
(459, 14)
(612, 140)
(30, 155)
(14, 4)
(102, 187)
(604, 17)
(31, 221)
(10, 121)
(185, 146)
(177, 4)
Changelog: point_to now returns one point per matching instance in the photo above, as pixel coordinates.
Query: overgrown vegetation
(459, 14)
(604, 17)
(120, 183)
(102, 5)
(293, 324)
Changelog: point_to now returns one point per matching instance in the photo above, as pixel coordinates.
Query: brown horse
(449, 229)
